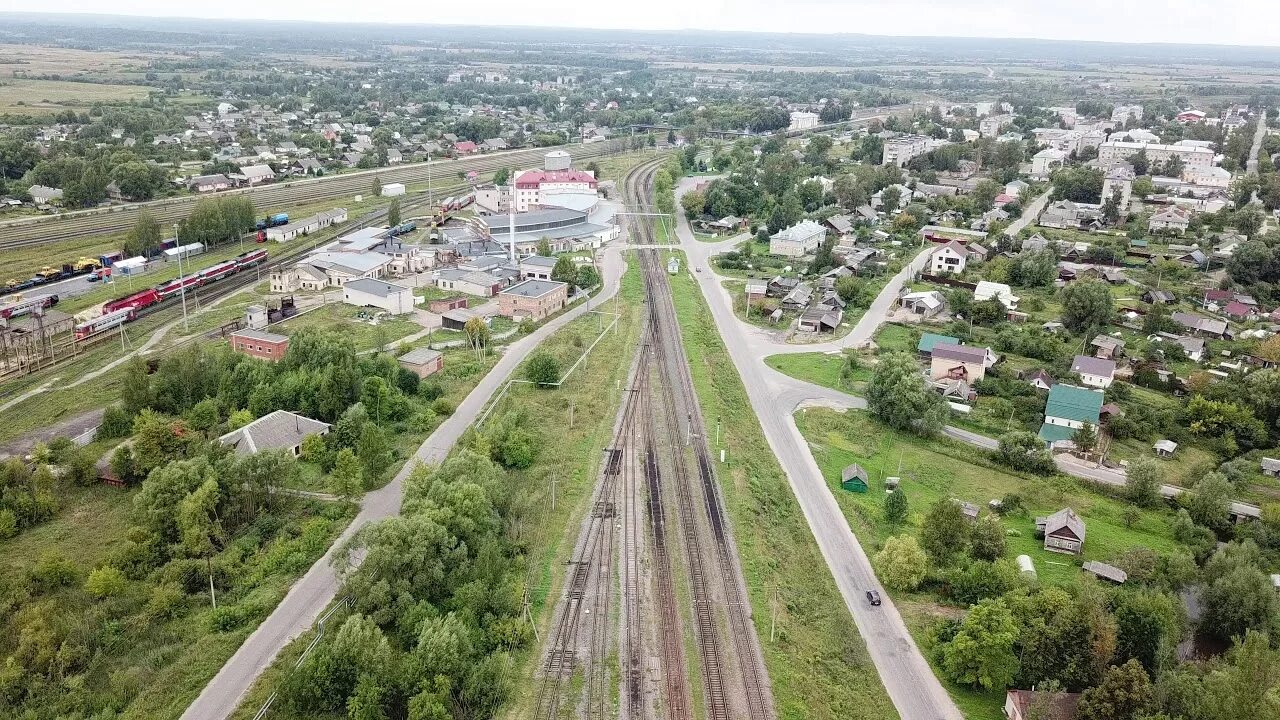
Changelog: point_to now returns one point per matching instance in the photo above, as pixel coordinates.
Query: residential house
(1107, 347)
(257, 174)
(1040, 380)
(820, 319)
(42, 195)
(1165, 448)
(1094, 372)
(1209, 327)
(1270, 467)
(924, 304)
(210, 183)
(1064, 532)
(1170, 220)
(1158, 297)
(987, 290)
(1069, 408)
(929, 340)
(959, 362)
(1036, 705)
(798, 240)
(280, 430)
(1237, 310)
(948, 259)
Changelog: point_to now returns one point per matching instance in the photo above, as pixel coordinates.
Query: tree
(144, 239)
(977, 580)
(901, 564)
(1085, 438)
(478, 335)
(693, 203)
(890, 197)
(543, 370)
(587, 277)
(393, 213)
(895, 507)
(984, 194)
(1238, 601)
(376, 189)
(981, 653)
(1209, 503)
(944, 530)
(544, 248)
(345, 480)
(1143, 480)
(1024, 450)
(1125, 692)
(105, 582)
(502, 176)
(898, 396)
(987, 539)
(199, 527)
(1148, 628)
(374, 452)
(1086, 304)
(564, 271)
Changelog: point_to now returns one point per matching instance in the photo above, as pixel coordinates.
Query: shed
(854, 478)
(362, 292)
(969, 509)
(1165, 448)
(1105, 571)
(456, 319)
(1270, 467)
(392, 189)
(444, 305)
(423, 361)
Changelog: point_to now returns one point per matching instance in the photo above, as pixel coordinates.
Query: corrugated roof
(1074, 403)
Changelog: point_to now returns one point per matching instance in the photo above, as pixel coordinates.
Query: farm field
(22, 96)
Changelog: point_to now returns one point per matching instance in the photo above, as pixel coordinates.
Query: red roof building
(532, 186)
(464, 147)
(1238, 310)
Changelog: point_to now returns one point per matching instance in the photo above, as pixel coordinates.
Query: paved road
(905, 673)
(317, 588)
(1029, 214)
(1252, 165)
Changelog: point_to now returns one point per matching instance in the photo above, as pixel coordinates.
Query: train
(46, 275)
(453, 204)
(151, 296)
(17, 305)
(273, 221)
(105, 322)
(404, 228)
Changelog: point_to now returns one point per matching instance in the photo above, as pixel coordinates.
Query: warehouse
(534, 299)
(306, 226)
(395, 299)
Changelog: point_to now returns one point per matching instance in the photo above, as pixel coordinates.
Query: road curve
(905, 673)
(315, 590)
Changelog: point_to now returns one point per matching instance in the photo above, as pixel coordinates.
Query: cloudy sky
(1231, 22)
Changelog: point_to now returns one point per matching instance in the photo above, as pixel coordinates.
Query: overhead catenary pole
(182, 280)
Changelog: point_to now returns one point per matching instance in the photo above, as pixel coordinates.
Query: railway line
(29, 232)
(656, 522)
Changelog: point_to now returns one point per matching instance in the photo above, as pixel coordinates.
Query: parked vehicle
(105, 322)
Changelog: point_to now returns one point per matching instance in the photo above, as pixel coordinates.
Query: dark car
(873, 597)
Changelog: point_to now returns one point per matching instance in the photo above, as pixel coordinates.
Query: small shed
(1165, 448)
(1275, 581)
(969, 509)
(444, 305)
(255, 317)
(673, 265)
(891, 483)
(854, 478)
(1270, 467)
(1105, 571)
(422, 361)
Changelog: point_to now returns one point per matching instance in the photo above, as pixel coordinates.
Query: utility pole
(773, 619)
(182, 280)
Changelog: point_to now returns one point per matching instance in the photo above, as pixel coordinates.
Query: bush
(430, 390)
(8, 524)
(166, 601)
(105, 582)
(53, 570)
(543, 370)
(441, 406)
(116, 423)
(1023, 450)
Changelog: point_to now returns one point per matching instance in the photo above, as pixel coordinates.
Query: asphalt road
(905, 673)
(1261, 132)
(315, 590)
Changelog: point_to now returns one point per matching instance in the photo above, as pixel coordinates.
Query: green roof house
(928, 340)
(1069, 408)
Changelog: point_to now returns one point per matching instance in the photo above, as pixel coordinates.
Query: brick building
(260, 344)
(534, 299)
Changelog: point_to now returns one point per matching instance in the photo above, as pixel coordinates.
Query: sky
(1225, 22)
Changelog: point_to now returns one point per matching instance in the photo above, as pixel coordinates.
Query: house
(959, 362)
(987, 290)
(1158, 297)
(534, 299)
(757, 289)
(799, 240)
(210, 183)
(1270, 467)
(925, 304)
(1094, 372)
(1069, 408)
(1192, 347)
(1165, 448)
(1064, 532)
(422, 361)
(820, 319)
(471, 282)
(368, 292)
(306, 166)
(1107, 347)
(929, 340)
(1193, 259)
(1046, 161)
(257, 174)
(1035, 705)
(464, 147)
(260, 344)
(841, 224)
(854, 478)
(1171, 219)
(280, 430)
(1237, 310)
(1201, 325)
(42, 195)
(947, 259)
(1040, 380)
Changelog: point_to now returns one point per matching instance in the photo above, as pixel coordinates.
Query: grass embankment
(818, 664)
(164, 662)
(568, 455)
(937, 469)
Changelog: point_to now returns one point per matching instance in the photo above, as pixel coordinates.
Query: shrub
(543, 370)
(105, 582)
(166, 601)
(53, 570)
(116, 423)
(441, 406)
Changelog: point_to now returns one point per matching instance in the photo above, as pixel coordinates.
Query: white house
(1046, 161)
(949, 258)
(1094, 372)
(367, 292)
(257, 174)
(798, 240)
(987, 290)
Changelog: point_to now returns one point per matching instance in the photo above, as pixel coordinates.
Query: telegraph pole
(182, 280)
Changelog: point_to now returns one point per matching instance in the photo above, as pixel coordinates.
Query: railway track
(29, 232)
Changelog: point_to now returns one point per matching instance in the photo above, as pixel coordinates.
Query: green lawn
(818, 664)
(821, 369)
(343, 318)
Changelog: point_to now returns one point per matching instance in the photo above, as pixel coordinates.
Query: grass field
(35, 97)
(937, 469)
(818, 664)
(342, 318)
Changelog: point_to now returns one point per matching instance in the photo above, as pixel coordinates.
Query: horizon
(1159, 35)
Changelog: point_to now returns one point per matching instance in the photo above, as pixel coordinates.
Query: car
(873, 597)
(698, 269)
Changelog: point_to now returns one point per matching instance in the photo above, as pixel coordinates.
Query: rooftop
(260, 335)
(376, 287)
(279, 430)
(533, 288)
(1070, 402)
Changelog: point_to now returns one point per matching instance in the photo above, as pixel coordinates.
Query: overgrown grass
(818, 664)
(342, 318)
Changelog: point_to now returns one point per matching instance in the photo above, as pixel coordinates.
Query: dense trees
(1086, 304)
(901, 564)
(898, 396)
(217, 220)
(981, 653)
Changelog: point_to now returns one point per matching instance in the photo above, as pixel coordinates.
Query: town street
(315, 590)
